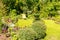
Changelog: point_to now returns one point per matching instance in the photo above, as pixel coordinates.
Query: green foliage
(42, 7)
(36, 15)
(2, 13)
(27, 34)
(24, 23)
(57, 19)
(40, 28)
(9, 4)
(35, 32)
(22, 6)
(12, 14)
(2, 9)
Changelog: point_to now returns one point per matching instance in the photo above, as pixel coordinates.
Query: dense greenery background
(42, 7)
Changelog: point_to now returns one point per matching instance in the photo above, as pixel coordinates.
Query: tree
(2, 9)
(42, 7)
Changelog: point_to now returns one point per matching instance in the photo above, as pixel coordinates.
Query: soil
(3, 37)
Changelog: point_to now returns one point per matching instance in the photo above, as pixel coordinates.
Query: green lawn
(53, 30)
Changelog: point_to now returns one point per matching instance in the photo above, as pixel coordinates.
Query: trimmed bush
(40, 28)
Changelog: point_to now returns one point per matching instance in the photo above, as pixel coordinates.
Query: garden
(29, 19)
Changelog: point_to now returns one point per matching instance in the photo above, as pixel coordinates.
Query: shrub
(35, 32)
(39, 28)
(27, 34)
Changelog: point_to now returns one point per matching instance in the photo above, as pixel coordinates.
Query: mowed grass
(53, 30)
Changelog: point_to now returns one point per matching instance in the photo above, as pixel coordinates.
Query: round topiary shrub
(40, 28)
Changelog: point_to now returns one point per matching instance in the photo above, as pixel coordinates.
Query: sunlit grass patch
(53, 30)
